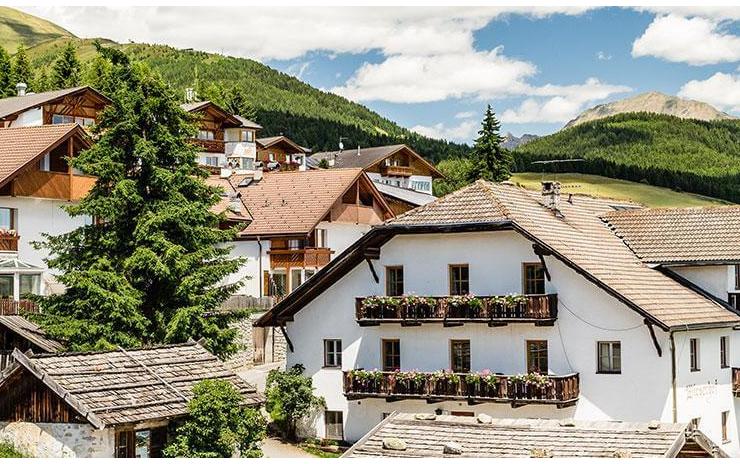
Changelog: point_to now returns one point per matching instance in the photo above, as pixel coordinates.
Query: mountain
(685, 154)
(283, 104)
(652, 102)
(18, 28)
(511, 141)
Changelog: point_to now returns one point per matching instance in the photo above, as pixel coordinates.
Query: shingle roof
(409, 196)
(229, 199)
(525, 438)
(12, 105)
(266, 142)
(118, 387)
(247, 123)
(680, 235)
(366, 158)
(22, 145)
(31, 332)
(580, 238)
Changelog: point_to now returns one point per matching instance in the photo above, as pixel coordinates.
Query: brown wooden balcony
(401, 171)
(303, 257)
(493, 310)
(10, 307)
(736, 381)
(8, 241)
(518, 390)
(210, 146)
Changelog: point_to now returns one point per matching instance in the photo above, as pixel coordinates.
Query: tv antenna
(556, 162)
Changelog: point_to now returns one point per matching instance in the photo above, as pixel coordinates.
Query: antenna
(556, 162)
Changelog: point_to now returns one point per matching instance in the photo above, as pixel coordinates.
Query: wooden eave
(436, 174)
(282, 140)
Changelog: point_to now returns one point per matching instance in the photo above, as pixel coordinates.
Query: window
(278, 284)
(125, 444)
(271, 156)
(737, 276)
(320, 238)
(421, 185)
(296, 278)
(205, 135)
(534, 279)
(694, 354)
(62, 119)
(247, 136)
(391, 355)
(459, 279)
(332, 353)
(695, 423)
(142, 444)
(6, 286)
(45, 163)
(724, 352)
(725, 417)
(460, 355)
(734, 300)
(146, 443)
(309, 273)
(7, 218)
(28, 284)
(609, 356)
(334, 425)
(211, 161)
(537, 356)
(295, 244)
(394, 280)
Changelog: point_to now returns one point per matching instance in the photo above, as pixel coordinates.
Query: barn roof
(31, 332)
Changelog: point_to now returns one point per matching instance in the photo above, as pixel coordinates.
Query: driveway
(257, 375)
(274, 448)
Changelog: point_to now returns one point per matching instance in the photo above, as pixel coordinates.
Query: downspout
(673, 377)
(259, 259)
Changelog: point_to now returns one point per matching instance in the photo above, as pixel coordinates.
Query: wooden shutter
(266, 283)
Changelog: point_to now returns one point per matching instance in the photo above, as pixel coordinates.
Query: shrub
(290, 398)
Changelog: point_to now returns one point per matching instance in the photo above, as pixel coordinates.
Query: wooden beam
(372, 269)
(541, 253)
(649, 325)
(287, 338)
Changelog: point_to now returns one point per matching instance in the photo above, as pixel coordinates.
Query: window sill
(336, 368)
(609, 372)
(695, 370)
(724, 367)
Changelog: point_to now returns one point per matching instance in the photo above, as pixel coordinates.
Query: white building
(588, 331)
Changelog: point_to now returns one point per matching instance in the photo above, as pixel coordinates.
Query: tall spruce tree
(66, 68)
(492, 161)
(22, 67)
(7, 86)
(149, 269)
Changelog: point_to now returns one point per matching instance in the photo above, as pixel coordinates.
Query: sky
(434, 69)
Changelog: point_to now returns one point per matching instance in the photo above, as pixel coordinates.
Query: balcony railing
(402, 171)
(304, 257)
(455, 311)
(518, 390)
(210, 146)
(10, 307)
(8, 241)
(736, 381)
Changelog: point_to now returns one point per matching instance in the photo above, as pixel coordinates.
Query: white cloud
(462, 132)
(696, 41)
(719, 13)
(299, 69)
(603, 56)
(465, 114)
(721, 90)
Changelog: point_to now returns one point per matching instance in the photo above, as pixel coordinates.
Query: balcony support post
(651, 329)
(541, 253)
(287, 338)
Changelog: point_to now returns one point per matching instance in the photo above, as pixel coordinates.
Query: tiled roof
(266, 142)
(12, 105)
(349, 158)
(293, 202)
(247, 123)
(680, 235)
(407, 195)
(525, 438)
(581, 238)
(31, 332)
(21, 145)
(118, 387)
(230, 200)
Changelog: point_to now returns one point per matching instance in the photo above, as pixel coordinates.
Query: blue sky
(434, 69)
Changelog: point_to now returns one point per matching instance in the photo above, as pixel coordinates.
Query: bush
(290, 398)
(218, 424)
(7, 450)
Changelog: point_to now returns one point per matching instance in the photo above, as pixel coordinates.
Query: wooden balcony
(736, 381)
(55, 185)
(559, 390)
(10, 307)
(304, 257)
(210, 146)
(541, 310)
(8, 241)
(400, 171)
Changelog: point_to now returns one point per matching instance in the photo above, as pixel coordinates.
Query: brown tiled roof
(13, 105)
(20, 146)
(525, 438)
(226, 205)
(581, 239)
(195, 107)
(680, 235)
(367, 157)
(118, 387)
(31, 332)
(265, 142)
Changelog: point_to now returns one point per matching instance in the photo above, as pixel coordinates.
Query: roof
(680, 235)
(119, 387)
(20, 146)
(406, 195)
(14, 105)
(196, 107)
(267, 142)
(31, 332)
(293, 202)
(247, 123)
(230, 200)
(525, 438)
(366, 158)
(577, 237)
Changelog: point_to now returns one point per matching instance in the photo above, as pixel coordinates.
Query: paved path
(274, 448)
(257, 375)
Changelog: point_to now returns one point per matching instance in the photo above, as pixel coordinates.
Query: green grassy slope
(690, 155)
(18, 28)
(648, 195)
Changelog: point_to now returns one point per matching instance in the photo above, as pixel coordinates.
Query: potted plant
(531, 385)
(366, 381)
(410, 382)
(417, 307)
(380, 307)
(507, 306)
(445, 382)
(463, 306)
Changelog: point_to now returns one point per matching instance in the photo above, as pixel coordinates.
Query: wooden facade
(82, 106)
(27, 399)
(403, 163)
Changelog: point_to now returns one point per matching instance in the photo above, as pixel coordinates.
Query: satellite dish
(341, 146)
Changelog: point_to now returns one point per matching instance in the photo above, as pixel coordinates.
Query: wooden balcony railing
(10, 307)
(402, 171)
(210, 146)
(304, 257)
(494, 310)
(736, 381)
(8, 241)
(518, 390)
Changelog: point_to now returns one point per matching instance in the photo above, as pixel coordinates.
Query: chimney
(358, 150)
(225, 173)
(235, 203)
(257, 174)
(551, 194)
(20, 88)
(189, 94)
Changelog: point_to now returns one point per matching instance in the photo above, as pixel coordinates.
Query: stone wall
(44, 440)
(269, 341)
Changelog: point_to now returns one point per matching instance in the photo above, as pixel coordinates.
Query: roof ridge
(439, 200)
(96, 352)
(41, 127)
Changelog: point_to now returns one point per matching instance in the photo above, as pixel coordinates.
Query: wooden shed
(17, 332)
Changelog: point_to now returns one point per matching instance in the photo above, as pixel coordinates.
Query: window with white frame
(332, 353)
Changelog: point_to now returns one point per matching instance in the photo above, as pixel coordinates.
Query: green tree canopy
(7, 86)
(290, 398)
(149, 268)
(492, 161)
(218, 424)
(457, 174)
(22, 67)
(66, 68)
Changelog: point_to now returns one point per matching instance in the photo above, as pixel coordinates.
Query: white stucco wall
(32, 117)
(249, 273)
(715, 279)
(43, 440)
(340, 235)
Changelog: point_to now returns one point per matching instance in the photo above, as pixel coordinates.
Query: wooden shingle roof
(14, 105)
(31, 332)
(525, 438)
(118, 387)
(366, 157)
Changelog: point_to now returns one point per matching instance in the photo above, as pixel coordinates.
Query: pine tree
(21, 67)
(7, 86)
(492, 162)
(149, 268)
(66, 68)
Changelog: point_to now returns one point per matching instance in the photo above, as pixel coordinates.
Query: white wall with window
(240, 143)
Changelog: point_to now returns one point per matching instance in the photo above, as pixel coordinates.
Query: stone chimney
(551, 194)
(20, 88)
(189, 94)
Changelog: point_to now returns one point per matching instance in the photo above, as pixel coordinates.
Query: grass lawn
(8, 451)
(648, 195)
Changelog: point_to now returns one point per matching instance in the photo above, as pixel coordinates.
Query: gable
(23, 397)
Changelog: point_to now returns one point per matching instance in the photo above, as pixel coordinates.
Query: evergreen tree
(7, 86)
(42, 81)
(22, 68)
(66, 68)
(149, 268)
(492, 162)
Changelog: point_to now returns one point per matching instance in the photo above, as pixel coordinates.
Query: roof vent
(20, 88)
(190, 94)
(225, 173)
(235, 203)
